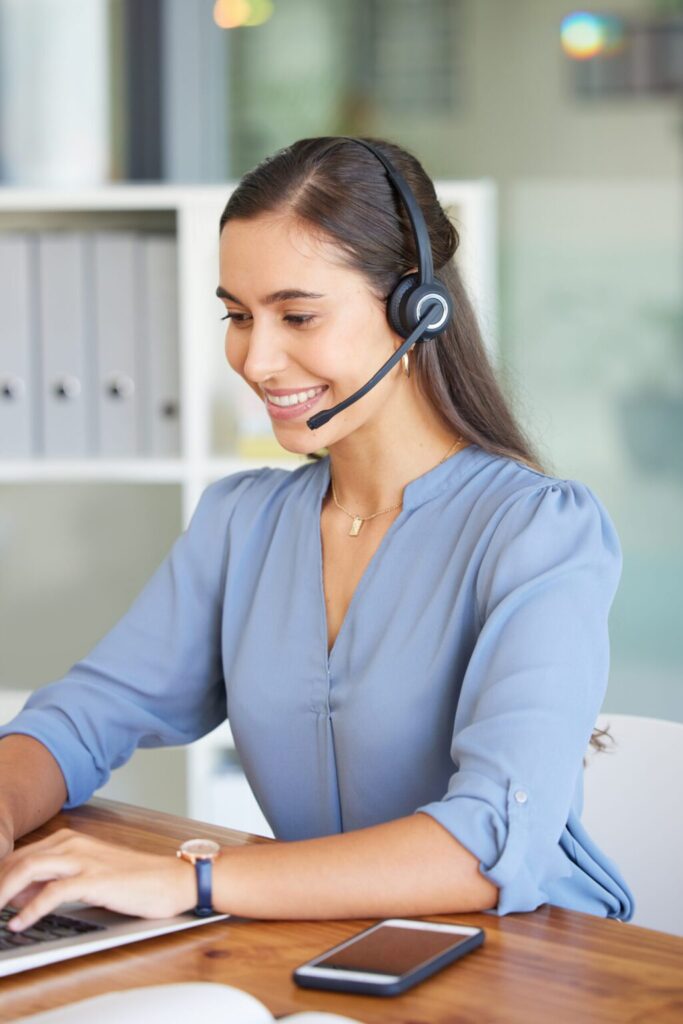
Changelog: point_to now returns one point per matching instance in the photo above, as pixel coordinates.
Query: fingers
(64, 841)
(39, 876)
(20, 899)
(38, 868)
(50, 896)
(68, 866)
(60, 843)
(62, 838)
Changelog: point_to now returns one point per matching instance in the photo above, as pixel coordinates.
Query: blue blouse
(464, 681)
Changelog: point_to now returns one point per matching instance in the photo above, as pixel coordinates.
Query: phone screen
(389, 949)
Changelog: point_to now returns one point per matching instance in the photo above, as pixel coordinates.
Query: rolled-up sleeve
(155, 679)
(533, 687)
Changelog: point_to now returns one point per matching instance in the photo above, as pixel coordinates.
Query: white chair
(633, 809)
(11, 703)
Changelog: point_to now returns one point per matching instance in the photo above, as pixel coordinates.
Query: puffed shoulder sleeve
(155, 679)
(533, 686)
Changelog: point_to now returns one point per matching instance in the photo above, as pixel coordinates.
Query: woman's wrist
(185, 884)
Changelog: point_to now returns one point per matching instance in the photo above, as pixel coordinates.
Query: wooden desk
(550, 965)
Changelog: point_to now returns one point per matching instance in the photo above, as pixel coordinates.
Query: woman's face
(334, 338)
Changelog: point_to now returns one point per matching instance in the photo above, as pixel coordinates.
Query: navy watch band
(203, 868)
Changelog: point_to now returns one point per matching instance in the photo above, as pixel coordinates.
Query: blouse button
(521, 797)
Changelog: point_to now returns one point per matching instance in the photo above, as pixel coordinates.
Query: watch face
(201, 848)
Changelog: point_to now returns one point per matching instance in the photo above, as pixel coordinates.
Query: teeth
(295, 399)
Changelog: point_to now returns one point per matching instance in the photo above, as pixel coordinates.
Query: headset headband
(424, 248)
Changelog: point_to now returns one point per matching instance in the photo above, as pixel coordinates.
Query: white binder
(17, 358)
(62, 293)
(159, 334)
(117, 290)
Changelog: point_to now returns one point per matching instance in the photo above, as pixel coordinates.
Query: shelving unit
(209, 766)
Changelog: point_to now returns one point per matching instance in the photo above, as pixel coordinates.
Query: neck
(371, 466)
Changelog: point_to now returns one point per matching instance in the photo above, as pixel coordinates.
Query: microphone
(321, 418)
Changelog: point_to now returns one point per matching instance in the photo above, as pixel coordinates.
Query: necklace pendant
(355, 526)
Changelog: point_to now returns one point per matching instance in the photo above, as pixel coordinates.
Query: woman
(409, 634)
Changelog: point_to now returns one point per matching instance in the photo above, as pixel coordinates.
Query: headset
(419, 308)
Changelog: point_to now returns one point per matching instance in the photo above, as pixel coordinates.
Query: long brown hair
(342, 191)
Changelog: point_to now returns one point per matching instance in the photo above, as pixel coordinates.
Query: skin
(381, 442)
(32, 790)
(411, 866)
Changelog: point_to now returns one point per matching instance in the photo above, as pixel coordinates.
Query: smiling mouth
(298, 398)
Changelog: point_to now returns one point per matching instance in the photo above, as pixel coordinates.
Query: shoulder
(543, 527)
(251, 488)
(508, 495)
(232, 507)
(552, 505)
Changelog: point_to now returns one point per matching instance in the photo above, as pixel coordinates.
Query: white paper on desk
(164, 1004)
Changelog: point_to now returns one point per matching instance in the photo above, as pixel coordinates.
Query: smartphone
(389, 957)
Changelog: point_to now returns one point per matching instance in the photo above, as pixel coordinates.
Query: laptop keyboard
(49, 928)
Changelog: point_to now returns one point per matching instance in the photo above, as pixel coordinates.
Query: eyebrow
(280, 296)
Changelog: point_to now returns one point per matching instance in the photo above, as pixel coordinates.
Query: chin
(299, 446)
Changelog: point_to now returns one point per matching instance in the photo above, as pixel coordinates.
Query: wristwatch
(202, 853)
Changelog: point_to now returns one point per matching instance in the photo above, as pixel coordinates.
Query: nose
(266, 356)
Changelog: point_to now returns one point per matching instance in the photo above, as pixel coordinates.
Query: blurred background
(573, 116)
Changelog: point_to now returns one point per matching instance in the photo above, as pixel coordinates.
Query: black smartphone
(389, 957)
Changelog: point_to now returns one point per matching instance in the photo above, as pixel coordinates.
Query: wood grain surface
(551, 965)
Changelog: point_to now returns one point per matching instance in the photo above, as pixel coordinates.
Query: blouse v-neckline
(423, 488)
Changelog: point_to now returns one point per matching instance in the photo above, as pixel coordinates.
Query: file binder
(66, 387)
(17, 358)
(116, 319)
(159, 337)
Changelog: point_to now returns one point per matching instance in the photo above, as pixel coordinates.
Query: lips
(279, 392)
(288, 412)
(301, 394)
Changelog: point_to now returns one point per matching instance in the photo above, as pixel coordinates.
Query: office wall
(591, 305)
(72, 559)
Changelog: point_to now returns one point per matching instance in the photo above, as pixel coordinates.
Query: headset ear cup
(418, 297)
(396, 305)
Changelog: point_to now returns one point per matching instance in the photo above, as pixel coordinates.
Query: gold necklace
(359, 520)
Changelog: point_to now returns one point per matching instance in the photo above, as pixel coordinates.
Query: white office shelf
(91, 470)
(127, 470)
(209, 767)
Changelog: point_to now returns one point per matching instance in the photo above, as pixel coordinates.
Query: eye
(237, 317)
(293, 318)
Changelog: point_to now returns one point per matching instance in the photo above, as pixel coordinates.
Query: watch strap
(203, 869)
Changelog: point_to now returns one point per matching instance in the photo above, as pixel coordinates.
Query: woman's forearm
(32, 787)
(411, 866)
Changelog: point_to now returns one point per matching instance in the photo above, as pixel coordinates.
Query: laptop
(76, 929)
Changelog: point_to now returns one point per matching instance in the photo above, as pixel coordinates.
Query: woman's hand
(68, 866)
